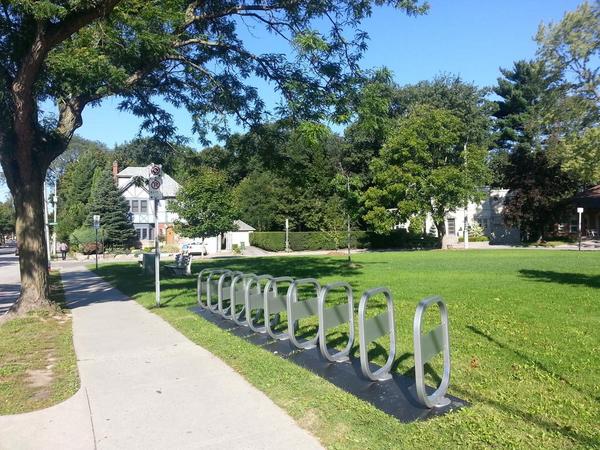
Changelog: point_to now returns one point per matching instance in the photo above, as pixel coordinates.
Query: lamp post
(580, 212)
(287, 235)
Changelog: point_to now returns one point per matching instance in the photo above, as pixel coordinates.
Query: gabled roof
(170, 186)
(589, 198)
(243, 226)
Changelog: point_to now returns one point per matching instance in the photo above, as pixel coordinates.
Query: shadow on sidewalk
(83, 287)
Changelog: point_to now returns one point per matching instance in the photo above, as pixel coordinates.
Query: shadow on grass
(529, 360)
(549, 276)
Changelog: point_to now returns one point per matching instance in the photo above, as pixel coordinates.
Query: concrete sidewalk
(146, 386)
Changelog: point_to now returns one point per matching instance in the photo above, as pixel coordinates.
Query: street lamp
(580, 212)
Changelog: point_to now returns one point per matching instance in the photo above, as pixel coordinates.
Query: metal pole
(579, 228)
(466, 229)
(156, 254)
(96, 248)
(349, 235)
(287, 235)
(55, 204)
(47, 228)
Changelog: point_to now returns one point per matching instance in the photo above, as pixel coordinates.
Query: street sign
(155, 188)
(96, 221)
(155, 182)
(580, 210)
(156, 170)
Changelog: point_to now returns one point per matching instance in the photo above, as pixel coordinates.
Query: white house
(131, 182)
(487, 214)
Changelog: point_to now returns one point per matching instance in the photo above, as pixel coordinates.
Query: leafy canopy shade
(189, 53)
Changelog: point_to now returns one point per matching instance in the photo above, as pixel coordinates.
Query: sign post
(155, 191)
(96, 227)
(580, 212)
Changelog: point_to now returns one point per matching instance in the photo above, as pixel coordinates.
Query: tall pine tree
(113, 209)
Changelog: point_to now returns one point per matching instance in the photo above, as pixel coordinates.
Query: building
(131, 182)
(487, 214)
(589, 200)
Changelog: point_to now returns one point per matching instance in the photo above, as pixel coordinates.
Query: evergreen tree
(107, 202)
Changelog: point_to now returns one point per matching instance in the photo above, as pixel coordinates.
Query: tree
(258, 200)
(188, 53)
(145, 151)
(539, 193)
(107, 202)
(571, 49)
(425, 167)
(205, 205)
(538, 187)
(75, 189)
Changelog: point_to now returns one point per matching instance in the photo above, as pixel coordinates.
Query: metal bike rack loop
(254, 300)
(334, 316)
(429, 345)
(297, 310)
(224, 292)
(207, 286)
(237, 296)
(374, 328)
(275, 304)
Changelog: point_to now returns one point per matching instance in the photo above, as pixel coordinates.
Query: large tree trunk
(31, 239)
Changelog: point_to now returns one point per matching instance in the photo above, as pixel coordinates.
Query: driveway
(9, 278)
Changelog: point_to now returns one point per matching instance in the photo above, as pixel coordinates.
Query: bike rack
(297, 310)
(334, 316)
(427, 346)
(255, 301)
(224, 292)
(275, 304)
(374, 328)
(207, 285)
(235, 293)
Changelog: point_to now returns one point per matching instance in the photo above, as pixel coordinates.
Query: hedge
(318, 240)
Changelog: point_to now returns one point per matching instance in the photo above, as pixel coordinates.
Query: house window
(574, 225)
(139, 233)
(144, 234)
(451, 226)
(135, 206)
(143, 206)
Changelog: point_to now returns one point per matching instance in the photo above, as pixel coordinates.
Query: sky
(471, 38)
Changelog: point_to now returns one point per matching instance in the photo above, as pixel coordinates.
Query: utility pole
(349, 236)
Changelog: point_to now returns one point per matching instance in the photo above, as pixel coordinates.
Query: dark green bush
(318, 240)
(273, 241)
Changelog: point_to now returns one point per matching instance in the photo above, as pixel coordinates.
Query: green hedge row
(318, 240)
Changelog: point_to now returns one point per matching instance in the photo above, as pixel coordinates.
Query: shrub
(83, 239)
(318, 240)
(273, 241)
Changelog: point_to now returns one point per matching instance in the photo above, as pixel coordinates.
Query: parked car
(194, 248)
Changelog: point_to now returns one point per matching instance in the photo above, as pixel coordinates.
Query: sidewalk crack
(91, 418)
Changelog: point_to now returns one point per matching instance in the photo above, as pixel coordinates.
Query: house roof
(243, 226)
(170, 186)
(589, 198)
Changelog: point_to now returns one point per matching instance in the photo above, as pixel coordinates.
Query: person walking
(64, 248)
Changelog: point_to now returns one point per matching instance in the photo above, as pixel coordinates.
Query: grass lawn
(38, 366)
(525, 333)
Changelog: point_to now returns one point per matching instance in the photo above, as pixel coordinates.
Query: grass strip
(38, 366)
